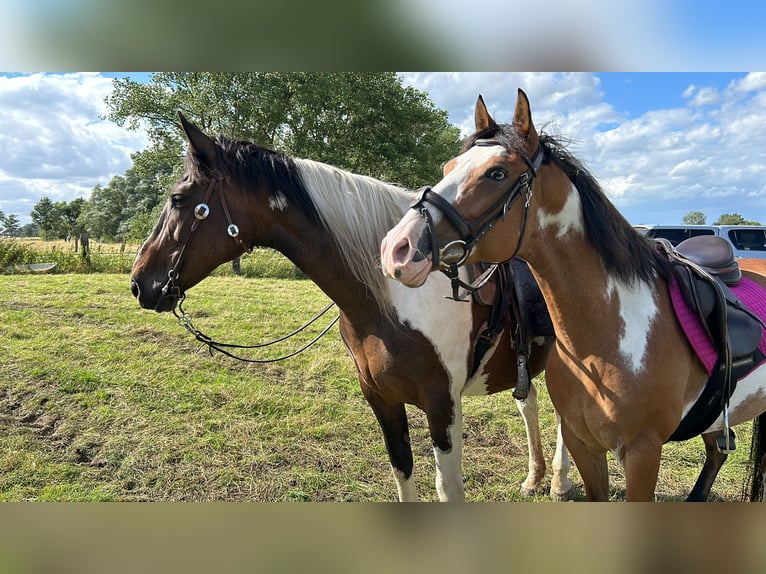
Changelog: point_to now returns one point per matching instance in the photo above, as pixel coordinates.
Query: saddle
(511, 288)
(705, 267)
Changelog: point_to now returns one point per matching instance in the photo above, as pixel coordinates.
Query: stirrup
(726, 442)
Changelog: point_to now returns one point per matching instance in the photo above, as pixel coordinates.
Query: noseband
(201, 211)
(468, 237)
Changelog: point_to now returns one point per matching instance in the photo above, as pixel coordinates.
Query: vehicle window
(676, 236)
(748, 239)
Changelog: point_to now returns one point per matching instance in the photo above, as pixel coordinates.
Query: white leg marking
(449, 470)
(530, 414)
(561, 484)
(405, 486)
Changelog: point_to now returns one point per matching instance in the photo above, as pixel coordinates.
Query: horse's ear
(522, 119)
(481, 116)
(199, 143)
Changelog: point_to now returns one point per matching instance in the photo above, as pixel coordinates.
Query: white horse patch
(638, 309)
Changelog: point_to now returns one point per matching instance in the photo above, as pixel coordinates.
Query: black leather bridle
(201, 211)
(469, 237)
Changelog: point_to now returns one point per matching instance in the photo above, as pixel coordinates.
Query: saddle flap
(743, 333)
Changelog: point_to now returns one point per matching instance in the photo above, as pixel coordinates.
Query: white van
(747, 240)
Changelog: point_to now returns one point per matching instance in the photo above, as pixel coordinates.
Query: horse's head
(195, 232)
(485, 188)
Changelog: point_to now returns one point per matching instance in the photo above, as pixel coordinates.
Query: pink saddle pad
(748, 291)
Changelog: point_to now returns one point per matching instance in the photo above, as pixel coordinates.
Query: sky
(661, 144)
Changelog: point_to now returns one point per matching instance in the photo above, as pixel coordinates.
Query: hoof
(528, 492)
(565, 496)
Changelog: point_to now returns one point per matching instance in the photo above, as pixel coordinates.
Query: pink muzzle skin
(402, 257)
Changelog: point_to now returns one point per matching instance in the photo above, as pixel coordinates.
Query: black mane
(625, 253)
(248, 163)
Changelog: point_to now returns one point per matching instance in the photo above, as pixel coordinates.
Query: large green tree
(368, 122)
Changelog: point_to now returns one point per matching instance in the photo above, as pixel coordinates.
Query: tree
(694, 218)
(368, 123)
(46, 216)
(69, 225)
(11, 224)
(733, 219)
(102, 216)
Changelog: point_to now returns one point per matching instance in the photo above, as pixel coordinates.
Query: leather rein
(171, 288)
(468, 237)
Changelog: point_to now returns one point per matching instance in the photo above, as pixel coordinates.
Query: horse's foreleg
(529, 411)
(561, 485)
(591, 464)
(447, 434)
(393, 422)
(714, 460)
(642, 466)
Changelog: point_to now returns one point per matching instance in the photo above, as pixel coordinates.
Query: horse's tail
(757, 463)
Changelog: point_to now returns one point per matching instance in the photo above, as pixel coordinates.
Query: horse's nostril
(134, 288)
(401, 251)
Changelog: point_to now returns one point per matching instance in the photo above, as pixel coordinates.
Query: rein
(468, 237)
(185, 320)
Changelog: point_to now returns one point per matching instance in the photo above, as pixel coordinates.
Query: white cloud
(705, 154)
(53, 142)
(701, 95)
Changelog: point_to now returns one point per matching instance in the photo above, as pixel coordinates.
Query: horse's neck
(573, 280)
(315, 253)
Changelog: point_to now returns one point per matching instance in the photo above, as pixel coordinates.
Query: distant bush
(14, 253)
(117, 258)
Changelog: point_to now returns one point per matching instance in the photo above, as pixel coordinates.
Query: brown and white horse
(621, 373)
(330, 222)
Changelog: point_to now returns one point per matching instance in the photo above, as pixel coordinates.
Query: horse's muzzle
(152, 298)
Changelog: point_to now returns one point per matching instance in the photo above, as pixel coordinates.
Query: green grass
(101, 400)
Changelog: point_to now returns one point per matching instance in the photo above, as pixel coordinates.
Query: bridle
(469, 237)
(201, 211)
(171, 288)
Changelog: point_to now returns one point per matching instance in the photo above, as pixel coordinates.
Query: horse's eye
(497, 174)
(178, 200)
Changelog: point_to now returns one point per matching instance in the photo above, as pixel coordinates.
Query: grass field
(103, 401)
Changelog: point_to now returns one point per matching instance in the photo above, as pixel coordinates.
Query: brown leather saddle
(704, 267)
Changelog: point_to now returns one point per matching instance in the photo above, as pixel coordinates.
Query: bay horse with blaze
(235, 195)
(621, 373)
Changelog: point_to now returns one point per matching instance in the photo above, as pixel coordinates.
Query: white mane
(357, 211)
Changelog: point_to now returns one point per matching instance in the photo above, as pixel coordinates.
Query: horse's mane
(626, 254)
(355, 210)
(248, 163)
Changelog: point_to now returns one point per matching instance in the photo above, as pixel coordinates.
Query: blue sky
(661, 144)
